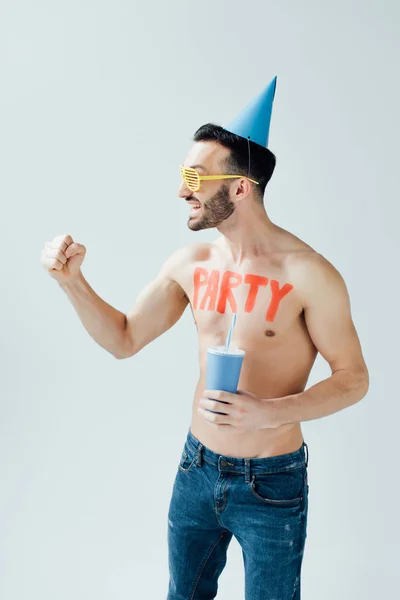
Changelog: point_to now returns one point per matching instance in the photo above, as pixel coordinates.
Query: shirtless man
(243, 469)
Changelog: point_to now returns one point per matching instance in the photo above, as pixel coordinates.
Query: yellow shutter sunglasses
(193, 178)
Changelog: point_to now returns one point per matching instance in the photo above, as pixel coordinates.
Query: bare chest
(262, 296)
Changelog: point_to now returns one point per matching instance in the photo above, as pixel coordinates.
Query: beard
(214, 211)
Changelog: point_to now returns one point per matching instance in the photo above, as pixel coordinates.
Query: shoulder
(185, 255)
(315, 277)
(309, 262)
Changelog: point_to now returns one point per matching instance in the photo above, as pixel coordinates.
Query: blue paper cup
(223, 368)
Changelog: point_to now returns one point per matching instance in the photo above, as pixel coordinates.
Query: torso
(272, 331)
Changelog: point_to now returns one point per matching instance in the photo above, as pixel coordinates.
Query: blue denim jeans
(263, 502)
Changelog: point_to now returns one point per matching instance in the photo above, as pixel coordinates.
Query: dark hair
(262, 160)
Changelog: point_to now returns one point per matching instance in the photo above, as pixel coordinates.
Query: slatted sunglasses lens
(191, 177)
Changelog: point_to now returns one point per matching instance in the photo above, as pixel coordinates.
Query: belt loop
(247, 473)
(199, 454)
(306, 448)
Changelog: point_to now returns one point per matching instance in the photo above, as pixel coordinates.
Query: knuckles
(60, 256)
(63, 238)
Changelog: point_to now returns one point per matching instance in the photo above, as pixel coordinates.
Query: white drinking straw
(228, 339)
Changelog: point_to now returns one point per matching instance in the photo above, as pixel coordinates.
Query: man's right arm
(159, 306)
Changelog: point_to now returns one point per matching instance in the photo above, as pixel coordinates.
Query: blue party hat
(254, 120)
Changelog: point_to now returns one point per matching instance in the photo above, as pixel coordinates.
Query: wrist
(275, 412)
(72, 282)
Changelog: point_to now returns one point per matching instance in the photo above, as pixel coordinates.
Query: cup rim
(235, 352)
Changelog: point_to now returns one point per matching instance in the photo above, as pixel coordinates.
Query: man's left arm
(329, 322)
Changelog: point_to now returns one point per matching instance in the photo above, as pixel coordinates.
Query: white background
(98, 105)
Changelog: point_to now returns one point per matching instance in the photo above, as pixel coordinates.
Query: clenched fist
(62, 258)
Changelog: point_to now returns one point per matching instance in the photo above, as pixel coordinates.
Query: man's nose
(183, 191)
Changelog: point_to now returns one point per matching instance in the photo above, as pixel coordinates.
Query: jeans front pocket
(187, 460)
(285, 488)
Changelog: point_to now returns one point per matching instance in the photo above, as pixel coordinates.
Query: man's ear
(242, 187)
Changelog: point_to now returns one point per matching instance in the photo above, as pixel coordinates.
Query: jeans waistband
(269, 464)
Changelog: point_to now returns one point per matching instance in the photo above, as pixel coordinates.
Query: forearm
(342, 389)
(105, 324)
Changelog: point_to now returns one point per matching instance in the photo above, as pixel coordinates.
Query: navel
(269, 333)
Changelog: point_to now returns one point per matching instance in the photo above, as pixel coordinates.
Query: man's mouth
(195, 207)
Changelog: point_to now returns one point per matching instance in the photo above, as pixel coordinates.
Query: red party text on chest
(218, 292)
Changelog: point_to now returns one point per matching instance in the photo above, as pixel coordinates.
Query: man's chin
(196, 224)
(193, 225)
